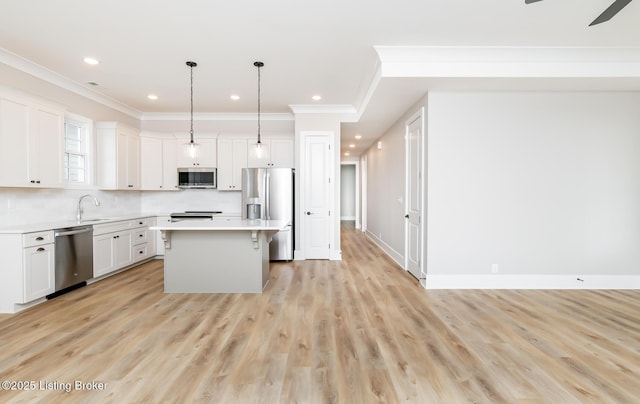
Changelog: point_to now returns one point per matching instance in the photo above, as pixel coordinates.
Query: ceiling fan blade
(610, 11)
(530, 1)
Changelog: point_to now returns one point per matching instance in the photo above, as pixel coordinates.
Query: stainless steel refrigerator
(267, 193)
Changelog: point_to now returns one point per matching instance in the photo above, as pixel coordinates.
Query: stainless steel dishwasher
(73, 257)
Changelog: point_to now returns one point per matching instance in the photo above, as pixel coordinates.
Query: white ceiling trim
(375, 81)
(214, 116)
(508, 62)
(323, 109)
(41, 72)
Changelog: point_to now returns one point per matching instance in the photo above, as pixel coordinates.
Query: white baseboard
(298, 255)
(347, 218)
(335, 255)
(532, 282)
(393, 254)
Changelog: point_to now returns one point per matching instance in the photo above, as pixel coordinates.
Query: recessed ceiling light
(316, 97)
(152, 97)
(346, 153)
(358, 136)
(235, 97)
(91, 61)
(352, 145)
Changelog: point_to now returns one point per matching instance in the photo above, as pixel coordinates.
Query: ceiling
(324, 48)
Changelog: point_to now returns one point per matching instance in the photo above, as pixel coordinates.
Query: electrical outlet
(494, 268)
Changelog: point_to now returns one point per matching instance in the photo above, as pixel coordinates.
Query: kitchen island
(217, 256)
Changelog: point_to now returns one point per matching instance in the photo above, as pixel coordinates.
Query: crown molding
(323, 109)
(504, 62)
(214, 116)
(41, 72)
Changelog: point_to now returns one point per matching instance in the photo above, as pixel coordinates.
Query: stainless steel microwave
(199, 178)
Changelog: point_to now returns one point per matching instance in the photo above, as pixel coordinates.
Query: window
(76, 150)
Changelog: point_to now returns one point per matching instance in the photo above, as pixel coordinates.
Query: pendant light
(258, 143)
(192, 145)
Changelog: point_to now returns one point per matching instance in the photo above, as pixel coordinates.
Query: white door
(413, 248)
(317, 200)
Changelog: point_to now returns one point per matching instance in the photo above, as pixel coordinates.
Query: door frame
(419, 114)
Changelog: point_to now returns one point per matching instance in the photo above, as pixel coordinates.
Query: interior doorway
(350, 192)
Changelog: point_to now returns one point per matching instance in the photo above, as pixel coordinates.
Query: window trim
(87, 125)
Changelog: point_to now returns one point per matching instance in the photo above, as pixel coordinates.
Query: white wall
(386, 187)
(348, 192)
(538, 183)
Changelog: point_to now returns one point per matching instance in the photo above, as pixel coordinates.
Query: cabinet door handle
(40, 249)
(130, 186)
(140, 235)
(39, 238)
(33, 181)
(37, 182)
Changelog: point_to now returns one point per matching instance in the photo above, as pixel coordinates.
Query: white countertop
(223, 224)
(34, 227)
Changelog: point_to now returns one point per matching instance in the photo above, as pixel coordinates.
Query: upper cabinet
(204, 156)
(30, 144)
(276, 152)
(158, 164)
(118, 156)
(232, 158)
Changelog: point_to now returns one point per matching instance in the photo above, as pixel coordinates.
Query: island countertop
(223, 224)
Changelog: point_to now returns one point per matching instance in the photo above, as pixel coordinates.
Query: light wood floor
(356, 331)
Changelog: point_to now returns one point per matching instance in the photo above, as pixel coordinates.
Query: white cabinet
(158, 169)
(275, 152)
(232, 158)
(120, 244)
(30, 144)
(143, 243)
(39, 264)
(205, 153)
(118, 165)
(111, 251)
(45, 147)
(28, 262)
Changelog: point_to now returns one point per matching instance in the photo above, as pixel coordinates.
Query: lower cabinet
(39, 272)
(111, 251)
(120, 244)
(27, 272)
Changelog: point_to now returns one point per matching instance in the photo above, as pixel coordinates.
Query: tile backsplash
(26, 206)
(191, 199)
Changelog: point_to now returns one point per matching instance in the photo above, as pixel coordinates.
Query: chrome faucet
(80, 211)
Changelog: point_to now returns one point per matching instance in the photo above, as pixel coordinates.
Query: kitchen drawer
(38, 238)
(100, 229)
(140, 252)
(139, 236)
(144, 222)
